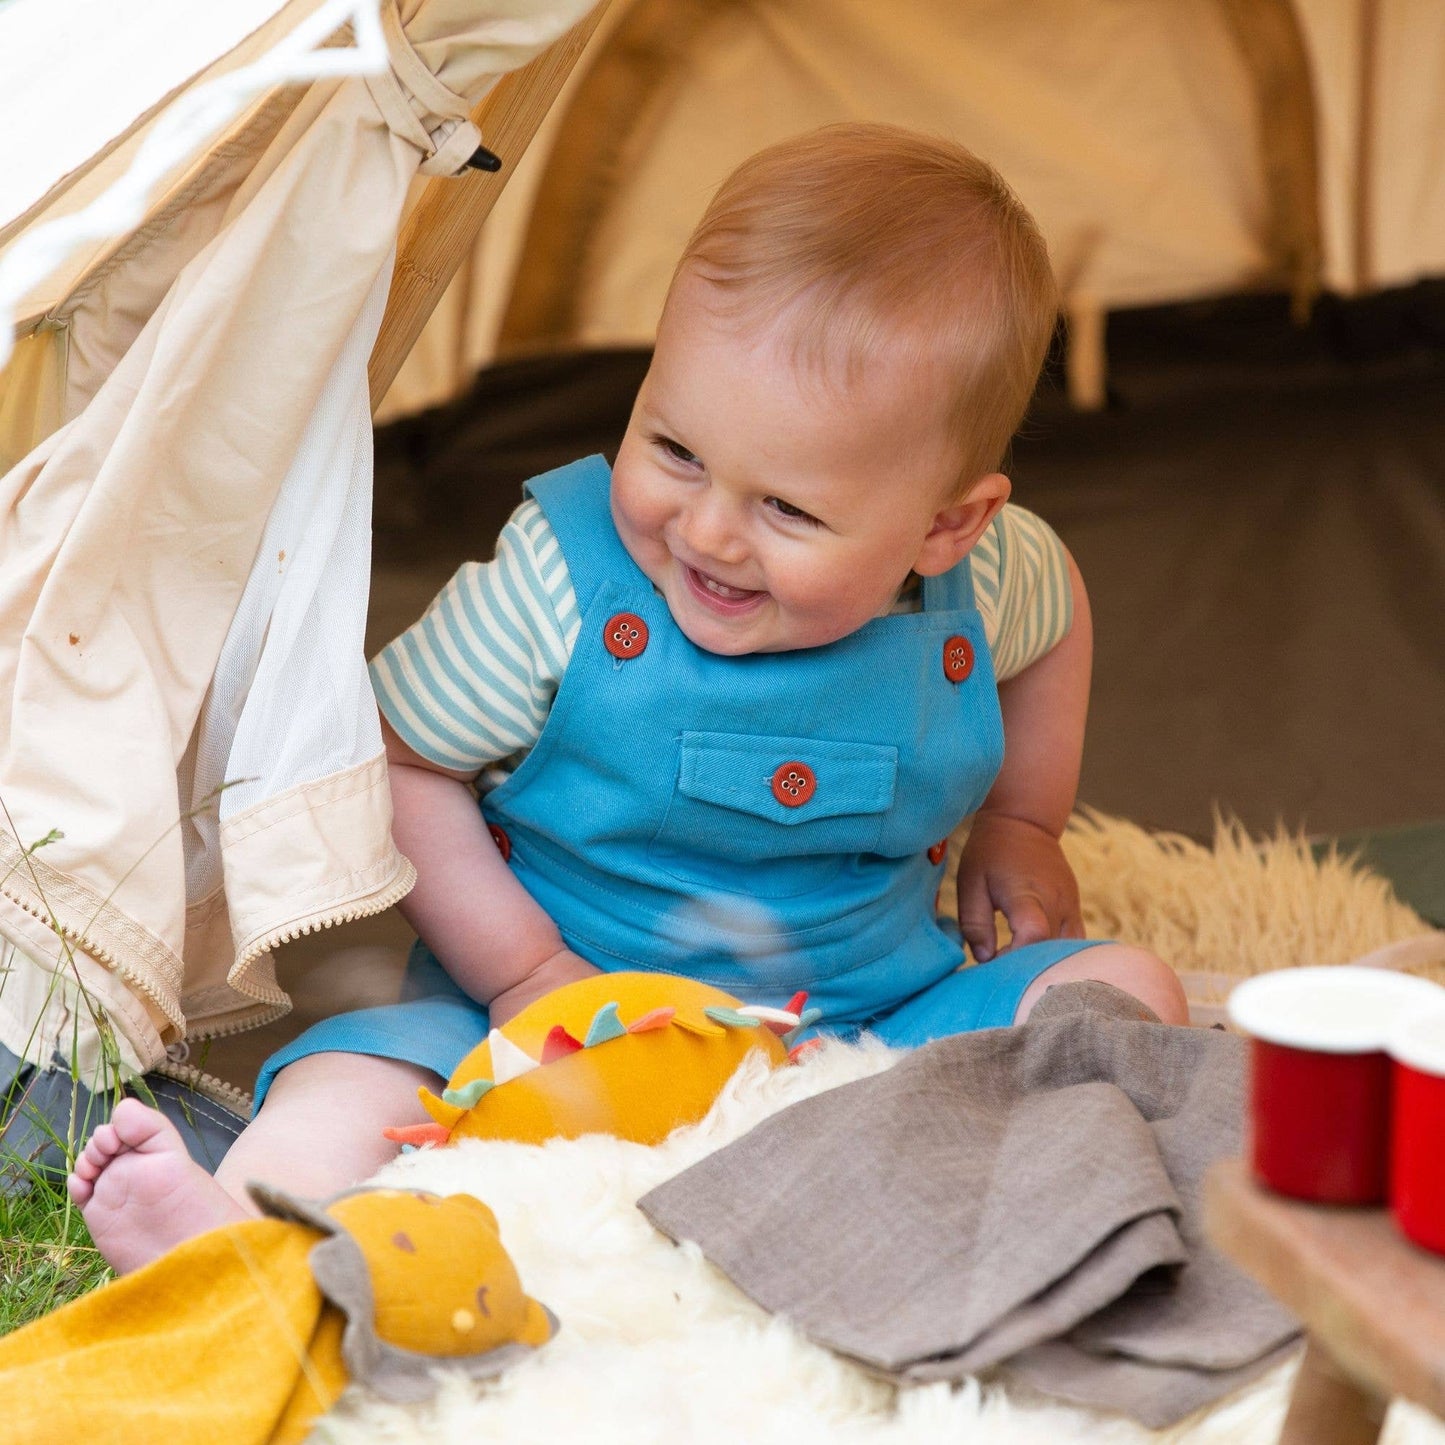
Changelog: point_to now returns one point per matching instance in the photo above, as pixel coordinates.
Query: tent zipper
(218, 1091)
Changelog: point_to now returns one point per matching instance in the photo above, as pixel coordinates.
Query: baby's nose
(710, 528)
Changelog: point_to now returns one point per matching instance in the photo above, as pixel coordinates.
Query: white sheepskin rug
(657, 1348)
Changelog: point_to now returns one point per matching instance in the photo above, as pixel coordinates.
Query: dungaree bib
(764, 823)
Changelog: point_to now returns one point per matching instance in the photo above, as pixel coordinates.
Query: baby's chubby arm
(1013, 862)
(467, 905)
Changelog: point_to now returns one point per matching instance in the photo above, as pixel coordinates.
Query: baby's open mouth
(719, 594)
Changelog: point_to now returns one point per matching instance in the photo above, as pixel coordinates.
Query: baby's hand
(562, 967)
(1018, 869)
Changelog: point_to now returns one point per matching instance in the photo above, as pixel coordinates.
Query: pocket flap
(736, 770)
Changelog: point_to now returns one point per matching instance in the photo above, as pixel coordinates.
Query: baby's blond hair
(872, 242)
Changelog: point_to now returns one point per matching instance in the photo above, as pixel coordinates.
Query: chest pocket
(799, 807)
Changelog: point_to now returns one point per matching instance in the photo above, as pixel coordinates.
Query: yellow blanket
(248, 1332)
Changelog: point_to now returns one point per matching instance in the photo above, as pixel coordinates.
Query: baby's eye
(677, 451)
(787, 509)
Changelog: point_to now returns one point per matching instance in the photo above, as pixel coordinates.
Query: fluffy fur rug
(657, 1347)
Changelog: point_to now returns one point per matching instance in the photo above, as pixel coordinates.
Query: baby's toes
(100, 1149)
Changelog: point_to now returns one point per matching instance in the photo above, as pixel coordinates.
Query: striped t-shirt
(470, 684)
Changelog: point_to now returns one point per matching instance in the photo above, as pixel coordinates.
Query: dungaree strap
(577, 503)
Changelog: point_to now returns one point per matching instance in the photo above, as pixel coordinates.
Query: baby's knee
(1136, 971)
(1144, 975)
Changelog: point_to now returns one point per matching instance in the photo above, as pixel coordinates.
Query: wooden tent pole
(442, 227)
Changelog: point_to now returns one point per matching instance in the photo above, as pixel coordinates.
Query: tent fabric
(142, 189)
(70, 50)
(184, 565)
(1171, 150)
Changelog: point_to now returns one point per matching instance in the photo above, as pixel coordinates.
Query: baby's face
(772, 509)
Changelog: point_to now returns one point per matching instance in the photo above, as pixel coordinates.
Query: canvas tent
(183, 423)
(1170, 151)
(187, 728)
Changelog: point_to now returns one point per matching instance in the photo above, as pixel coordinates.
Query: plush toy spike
(798, 1001)
(469, 1093)
(418, 1134)
(802, 1050)
(808, 1017)
(731, 1018)
(699, 1026)
(657, 1018)
(557, 1045)
(508, 1061)
(779, 1020)
(445, 1114)
(605, 1025)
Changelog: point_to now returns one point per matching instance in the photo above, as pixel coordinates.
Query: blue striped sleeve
(1021, 584)
(472, 681)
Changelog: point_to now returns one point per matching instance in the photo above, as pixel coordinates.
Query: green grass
(46, 1255)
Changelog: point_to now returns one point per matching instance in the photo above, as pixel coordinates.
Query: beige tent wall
(1157, 198)
(1378, 68)
(1171, 149)
(1405, 203)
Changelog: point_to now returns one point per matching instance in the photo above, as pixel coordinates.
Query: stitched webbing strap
(418, 107)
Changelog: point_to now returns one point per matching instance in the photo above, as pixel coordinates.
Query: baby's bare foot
(141, 1193)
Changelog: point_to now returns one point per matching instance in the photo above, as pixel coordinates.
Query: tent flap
(184, 564)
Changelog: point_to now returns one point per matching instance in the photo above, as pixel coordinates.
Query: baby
(726, 700)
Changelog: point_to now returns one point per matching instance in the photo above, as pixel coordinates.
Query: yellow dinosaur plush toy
(247, 1333)
(629, 1054)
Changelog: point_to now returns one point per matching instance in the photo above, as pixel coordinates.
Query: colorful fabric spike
(701, 1027)
(468, 1094)
(657, 1018)
(557, 1045)
(730, 1018)
(806, 1019)
(798, 1001)
(508, 1060)
(777, 1019)
(417, 1134)
(605, 1025)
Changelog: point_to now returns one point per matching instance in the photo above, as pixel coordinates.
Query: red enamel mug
(1320, 1076)
(1417, 1130)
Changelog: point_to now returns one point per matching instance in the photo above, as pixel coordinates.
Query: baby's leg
(318, 1132)
(1134, 970)
(319, 1129)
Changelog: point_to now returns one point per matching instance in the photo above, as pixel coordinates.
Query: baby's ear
(959, 526)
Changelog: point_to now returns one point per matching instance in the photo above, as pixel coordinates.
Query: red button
(935, 853)
(625, 636)
(499, 837)
(794, 784)
(957, 658)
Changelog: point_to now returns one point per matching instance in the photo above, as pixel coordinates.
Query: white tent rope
(197, 114)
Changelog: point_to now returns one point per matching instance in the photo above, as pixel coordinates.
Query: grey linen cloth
(1026, 1197)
